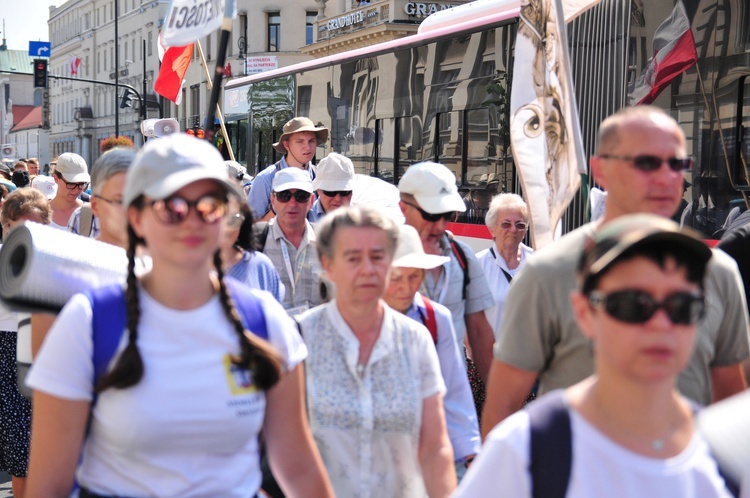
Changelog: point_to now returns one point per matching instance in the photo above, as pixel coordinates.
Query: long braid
(257, 354)
(128, 370)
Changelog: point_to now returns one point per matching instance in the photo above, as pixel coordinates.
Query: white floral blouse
(367, 426)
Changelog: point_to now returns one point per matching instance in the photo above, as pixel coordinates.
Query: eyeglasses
(176, 209)
(299, 195)
(235, 220)
(114, 202)
(520, 225)
(635, 306)
(652, 163)
(432, 218)
(334, 193)
(73, 186)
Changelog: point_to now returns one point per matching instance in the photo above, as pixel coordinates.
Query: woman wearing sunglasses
(508, 219)
(639, 301)
(181, 407)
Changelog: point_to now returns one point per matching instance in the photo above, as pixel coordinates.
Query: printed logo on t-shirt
(240, 379)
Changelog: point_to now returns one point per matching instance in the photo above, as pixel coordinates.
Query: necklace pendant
(657, 444)
(360, 369)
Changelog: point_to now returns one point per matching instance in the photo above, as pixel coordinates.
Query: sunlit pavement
(5, 489)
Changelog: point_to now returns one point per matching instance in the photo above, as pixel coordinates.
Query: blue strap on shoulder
(249, 307)
(551, 446)
(108, 321)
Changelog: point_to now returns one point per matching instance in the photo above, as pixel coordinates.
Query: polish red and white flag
(174, 64)
(674, 52)
(73, 63)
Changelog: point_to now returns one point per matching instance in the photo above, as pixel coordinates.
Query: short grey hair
(506, 202)
(353, 217)
(112, 162)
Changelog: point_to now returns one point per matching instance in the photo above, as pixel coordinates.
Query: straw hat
(297, 125)
(410, 254)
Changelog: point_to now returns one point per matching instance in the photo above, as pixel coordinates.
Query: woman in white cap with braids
(185, 394)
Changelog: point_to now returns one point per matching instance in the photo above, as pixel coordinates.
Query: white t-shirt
(190, 427)
(600, 467)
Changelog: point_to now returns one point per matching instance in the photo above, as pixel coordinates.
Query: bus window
(450, 141)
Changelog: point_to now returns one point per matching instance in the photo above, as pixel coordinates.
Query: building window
(87, 65)
(274, 32)
(310, 27)
(150, 42)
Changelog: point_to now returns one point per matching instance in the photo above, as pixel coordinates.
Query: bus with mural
(443, 95)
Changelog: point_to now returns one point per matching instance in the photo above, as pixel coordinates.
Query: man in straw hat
(298, 143)
(408, 269)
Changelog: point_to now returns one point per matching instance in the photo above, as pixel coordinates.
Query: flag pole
(218, 108)
(721, 131)
(226, 28)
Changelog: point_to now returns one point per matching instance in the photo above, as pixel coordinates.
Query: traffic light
(128, 97)
(40, 73)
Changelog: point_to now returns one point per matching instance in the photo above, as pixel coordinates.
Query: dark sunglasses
(635, 306)
(520, 225)
(334, 193)
(176, 209)
(73, 186)
(299, 195)
(432, 218)
(652, 163)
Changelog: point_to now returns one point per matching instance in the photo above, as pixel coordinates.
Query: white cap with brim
(291, 177)
(165, 165)
(433, 187)
(335, 172)
(410, 253)
(73, 168)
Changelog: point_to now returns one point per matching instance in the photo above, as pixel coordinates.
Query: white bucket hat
(410, 254)
(433, 187)
(45, 185)
(335, 172)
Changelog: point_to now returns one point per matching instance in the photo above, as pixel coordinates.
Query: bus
(443, 94)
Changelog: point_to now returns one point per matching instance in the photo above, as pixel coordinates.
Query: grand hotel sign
(418, 10)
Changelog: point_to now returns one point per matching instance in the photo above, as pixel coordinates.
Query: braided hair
(256, 354)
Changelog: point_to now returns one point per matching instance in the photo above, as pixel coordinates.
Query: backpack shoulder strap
(462, 261)
(429, 320)
(260, 235)
(86, 221)
(249, 308)
(551, 446)
(108, 321)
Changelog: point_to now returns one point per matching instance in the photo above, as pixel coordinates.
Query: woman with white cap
(408, 269)
(374, 389)
(181, 403)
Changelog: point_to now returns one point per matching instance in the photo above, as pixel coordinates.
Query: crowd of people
(290, 334)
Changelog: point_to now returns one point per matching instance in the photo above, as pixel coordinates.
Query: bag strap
(428, 319)
(551, 446)
(249, 308)
(86, 225)
(462, 261)
(260, 235)
(108, 321)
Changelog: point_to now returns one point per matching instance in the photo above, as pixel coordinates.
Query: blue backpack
(551, 448)
(109, 319)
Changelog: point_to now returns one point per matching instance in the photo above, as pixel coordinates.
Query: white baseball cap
(335, 172)
(45, 185)
(410, 253)
(291, 177)
(73, 168)
(165, 165)
(433, 186)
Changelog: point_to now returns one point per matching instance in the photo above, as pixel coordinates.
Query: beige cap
(73, 168)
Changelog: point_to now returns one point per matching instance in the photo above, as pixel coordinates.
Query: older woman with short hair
(508, 221)
(374, 389)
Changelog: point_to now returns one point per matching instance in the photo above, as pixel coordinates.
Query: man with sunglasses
(429, 200)
(641, 157)
(298, 143)
(72, 177)
(290, 240)
(333, 184)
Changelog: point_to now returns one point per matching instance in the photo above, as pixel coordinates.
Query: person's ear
(135, 219)
(583, 313)
(598, 171)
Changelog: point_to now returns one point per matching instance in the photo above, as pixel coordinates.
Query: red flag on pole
(73, 63)
(674, 52)
(174, 65)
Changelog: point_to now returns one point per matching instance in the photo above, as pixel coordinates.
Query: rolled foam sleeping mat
(42, 267)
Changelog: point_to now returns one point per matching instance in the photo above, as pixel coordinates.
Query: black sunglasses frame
(638, 307)
(334, 193)
(286, 195)
(646, 162)
(433, 218)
